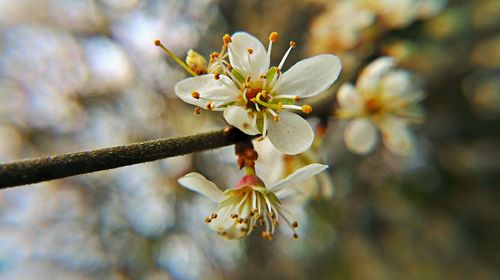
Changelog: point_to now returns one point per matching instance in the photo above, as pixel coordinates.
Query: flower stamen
(176, 58)
(292, 45)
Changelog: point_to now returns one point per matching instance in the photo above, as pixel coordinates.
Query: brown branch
(56, 167)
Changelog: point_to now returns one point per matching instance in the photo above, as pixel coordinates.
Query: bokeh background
(84, 74)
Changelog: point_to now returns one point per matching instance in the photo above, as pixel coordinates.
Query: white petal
(397, 83)
(310, 76)
(255, 64)
(349, 99)
(397, 136)
(371, 75)
(298, 176)
(360, 136)
(291, 134)
(244, 120)
(219, 91)
(196, 182)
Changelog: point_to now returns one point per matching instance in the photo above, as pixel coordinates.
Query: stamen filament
(264, 127)
(229, 73)
(176, 58)
(287, 96)
(292, 45)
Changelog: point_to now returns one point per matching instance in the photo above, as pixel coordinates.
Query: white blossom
(250, 203)
(255, 97)
(383, 98)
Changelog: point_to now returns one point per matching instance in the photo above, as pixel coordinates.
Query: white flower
(255, 96)
(400, 13)
(383, 98)
(249, 204)
(340, 27)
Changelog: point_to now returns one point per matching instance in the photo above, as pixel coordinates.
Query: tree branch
(56, 167)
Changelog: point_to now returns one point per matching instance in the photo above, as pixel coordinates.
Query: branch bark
(55, 167)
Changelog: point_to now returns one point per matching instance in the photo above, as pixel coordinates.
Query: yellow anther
(273, 36)
(209, 105)
(254, 100)
(216, 75)
(307, 109)
(295, 224)
(157, 42)
(280, 106)
(247, 79)
(293, 44)
(264, 93)
(195, 95)
(296, 98)
(227, 39)
(213, 216)
(276, 118)
(197, 110)
(250, 50)
(267, 235)
(214, 55)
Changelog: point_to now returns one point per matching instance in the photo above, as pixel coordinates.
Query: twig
(56, 167)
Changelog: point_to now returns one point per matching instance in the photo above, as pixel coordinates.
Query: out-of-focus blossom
(339, 28)
(483, 90)
(253, 95)
(400, 13)
(487, 53)
(249, 204)
(383, 98)
(486, 14)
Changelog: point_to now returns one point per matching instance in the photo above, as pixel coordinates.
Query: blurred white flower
(249, 204)
(340, 27)
(400, 13)
(253, 95)
(383, 98)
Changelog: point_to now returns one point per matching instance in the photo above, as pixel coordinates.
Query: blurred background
(83, 74)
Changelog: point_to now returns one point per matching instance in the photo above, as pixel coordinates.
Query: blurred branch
(56, 167)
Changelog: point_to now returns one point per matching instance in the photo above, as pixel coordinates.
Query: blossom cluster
(258, 99)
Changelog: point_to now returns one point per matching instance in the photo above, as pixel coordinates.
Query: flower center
(251, 93)
(374, 106)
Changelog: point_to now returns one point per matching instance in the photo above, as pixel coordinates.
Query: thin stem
(55, 167)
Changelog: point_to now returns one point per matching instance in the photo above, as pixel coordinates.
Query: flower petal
(397, 136)
(291, 134)
(310, 76)
(219, 91)
(360, 136)
(371, 75)
(298, 176)
(349, 99)
(198, 183)
(254, 64)
(397, 83)
(244, 120)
